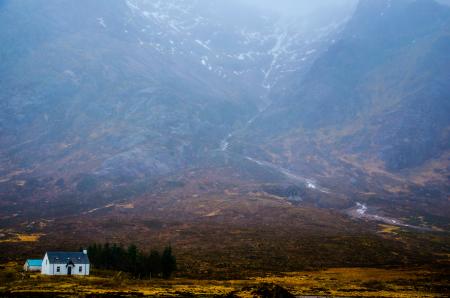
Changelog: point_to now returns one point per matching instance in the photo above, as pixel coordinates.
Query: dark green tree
(132, 254)
(168, 262)
(139, 264)
(154, 263)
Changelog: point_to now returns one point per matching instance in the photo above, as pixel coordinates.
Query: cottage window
(80, 269)
(58, 269)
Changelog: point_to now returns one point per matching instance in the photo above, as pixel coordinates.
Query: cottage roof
(34, 262)
(59, 257)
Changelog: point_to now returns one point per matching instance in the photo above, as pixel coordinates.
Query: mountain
(127, 89)
(267, 129)
(375, 103)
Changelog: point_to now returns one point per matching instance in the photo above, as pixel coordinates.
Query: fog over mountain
(152, 73)
(447, 2)
(214, 112)
(305, 8)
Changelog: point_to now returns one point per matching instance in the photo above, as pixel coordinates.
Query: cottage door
(69, 270)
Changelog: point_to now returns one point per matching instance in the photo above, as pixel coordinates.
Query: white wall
(34, 268)
(52, 269)
(45, 266)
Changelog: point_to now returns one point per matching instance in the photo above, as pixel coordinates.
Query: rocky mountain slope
(121, 90)
(253, 139)
(104, 100)
(373, 108)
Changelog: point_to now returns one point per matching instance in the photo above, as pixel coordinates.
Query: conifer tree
(168, 262)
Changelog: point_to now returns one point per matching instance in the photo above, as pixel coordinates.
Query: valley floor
(339, 282)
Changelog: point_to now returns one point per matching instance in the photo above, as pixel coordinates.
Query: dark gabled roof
(60, 257)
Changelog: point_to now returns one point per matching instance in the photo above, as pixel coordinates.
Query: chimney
(85, 251)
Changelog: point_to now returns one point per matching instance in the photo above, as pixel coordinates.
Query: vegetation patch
(339, 282)
(138, 263)
(16, 237)
(388, 229)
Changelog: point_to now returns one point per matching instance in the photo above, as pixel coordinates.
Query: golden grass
(343, 282)
(126, 206)
(351, 282)
(28, 238)
(388, 229)
(22, 238)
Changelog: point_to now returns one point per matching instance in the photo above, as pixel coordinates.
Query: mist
(304, 7)
(306, 14)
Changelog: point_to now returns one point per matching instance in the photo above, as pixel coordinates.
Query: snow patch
(101, 22)
(203, 44)
(309, 183)
(361, 209)
(132, 6)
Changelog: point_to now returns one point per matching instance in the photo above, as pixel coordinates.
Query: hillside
(108, 93)
(254, 139)
(371, 116)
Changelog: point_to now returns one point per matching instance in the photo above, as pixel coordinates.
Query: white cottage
(66, 263)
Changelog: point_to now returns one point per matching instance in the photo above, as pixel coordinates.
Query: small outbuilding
(33, 265)
(65, 263)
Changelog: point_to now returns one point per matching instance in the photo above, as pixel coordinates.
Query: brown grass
(348, 282)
